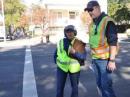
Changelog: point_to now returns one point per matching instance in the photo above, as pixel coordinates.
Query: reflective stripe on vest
(70, 62)
(99, 45)
(65, 62)
(100, 50)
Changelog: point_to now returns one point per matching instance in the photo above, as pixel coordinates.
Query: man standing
(68, 62)
(103, 44)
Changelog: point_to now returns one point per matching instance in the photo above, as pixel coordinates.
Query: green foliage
(119, 12)
(112, 8)
(124, 1)
(123, 15)
(119, 1)
(111, 1)
(13, 10)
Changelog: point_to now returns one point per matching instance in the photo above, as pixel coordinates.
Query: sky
(79, 2)
(29, 2)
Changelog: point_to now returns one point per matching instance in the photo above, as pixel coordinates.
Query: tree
(13, 10)
(85, 18)
(122, 15)
(124, 1)
(119, 12)
(38, 14)
(24, 20)
(112, 8)
(119, 1)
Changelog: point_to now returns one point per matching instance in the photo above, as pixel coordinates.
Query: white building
(63, 12)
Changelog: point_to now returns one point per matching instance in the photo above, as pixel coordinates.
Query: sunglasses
(90, 9)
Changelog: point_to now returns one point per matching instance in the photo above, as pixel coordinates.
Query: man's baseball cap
(90, 5)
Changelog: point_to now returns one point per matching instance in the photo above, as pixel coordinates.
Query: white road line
(81, 86)
(29, 83)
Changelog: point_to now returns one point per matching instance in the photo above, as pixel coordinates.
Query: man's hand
(111, 66)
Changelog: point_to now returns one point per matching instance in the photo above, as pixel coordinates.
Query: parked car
(128, 32)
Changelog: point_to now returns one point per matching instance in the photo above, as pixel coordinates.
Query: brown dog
(78, 45)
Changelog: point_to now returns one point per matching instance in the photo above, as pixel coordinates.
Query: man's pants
(61, 79)
(103, 77)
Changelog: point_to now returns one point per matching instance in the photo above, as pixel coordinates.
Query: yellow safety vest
(64, 62)
(98, 42)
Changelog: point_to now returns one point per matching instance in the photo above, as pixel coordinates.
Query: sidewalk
(122, 36)
(37, 40)
(20, 42)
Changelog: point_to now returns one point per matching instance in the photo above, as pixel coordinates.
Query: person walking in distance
(103, 45)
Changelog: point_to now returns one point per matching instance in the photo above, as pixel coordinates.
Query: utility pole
(3, 20)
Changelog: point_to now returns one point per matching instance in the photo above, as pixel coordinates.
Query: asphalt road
(11, 71)
(12, 63)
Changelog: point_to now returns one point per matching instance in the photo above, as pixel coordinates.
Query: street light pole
(3, 20)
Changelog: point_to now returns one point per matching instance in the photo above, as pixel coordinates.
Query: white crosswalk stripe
(29, 83)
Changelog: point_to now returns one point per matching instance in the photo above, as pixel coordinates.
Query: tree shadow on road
(122, 74)
(45, 72)
(45, 69)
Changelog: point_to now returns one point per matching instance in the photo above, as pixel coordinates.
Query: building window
(59, 14)
(72, 15)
